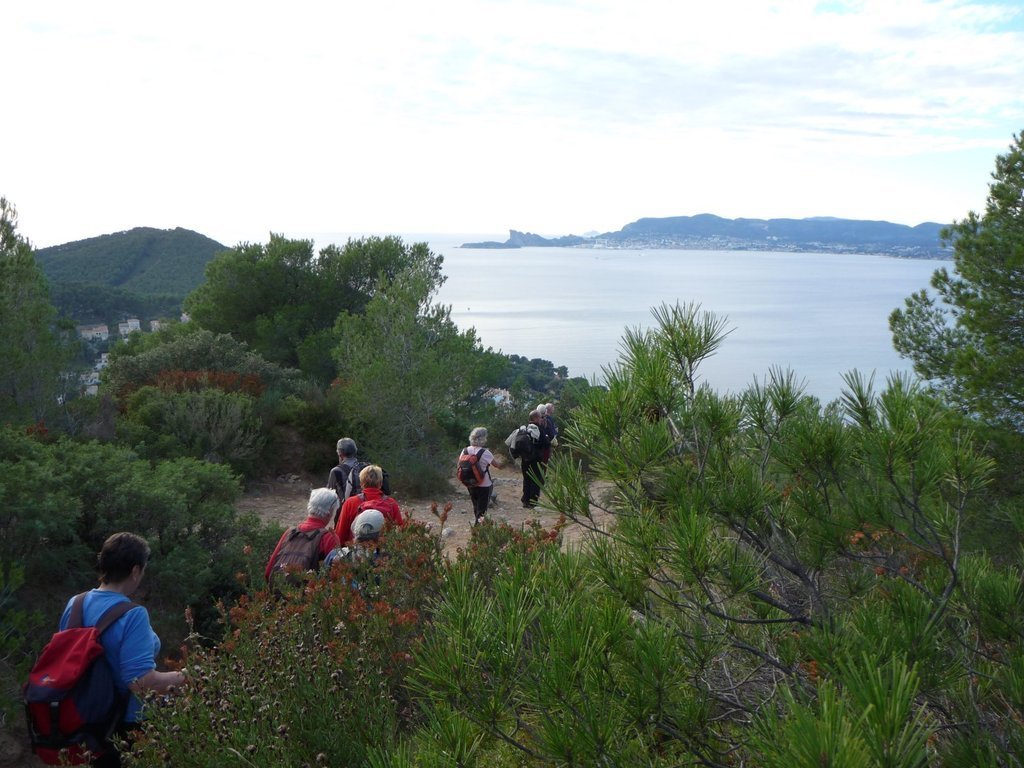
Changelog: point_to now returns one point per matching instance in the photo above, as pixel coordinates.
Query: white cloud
(479, 115)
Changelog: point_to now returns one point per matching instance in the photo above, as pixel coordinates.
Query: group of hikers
(346, 518)
(344, 521)
(531, 443)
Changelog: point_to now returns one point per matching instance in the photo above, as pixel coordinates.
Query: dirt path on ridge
(283, 501)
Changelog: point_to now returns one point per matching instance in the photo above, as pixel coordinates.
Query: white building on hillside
(129, 325)
(98, 332)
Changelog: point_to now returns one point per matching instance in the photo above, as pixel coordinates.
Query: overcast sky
(236, 119)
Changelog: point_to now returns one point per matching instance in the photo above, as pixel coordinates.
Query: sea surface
(818, 314)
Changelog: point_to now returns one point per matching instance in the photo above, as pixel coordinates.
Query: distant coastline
(709, 232)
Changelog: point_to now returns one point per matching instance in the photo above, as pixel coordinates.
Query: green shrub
(209, 424)
(527, 652)
(316, 676)
(185, 347)
(310, 427)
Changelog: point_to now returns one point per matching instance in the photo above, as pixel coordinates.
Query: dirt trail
(284, 501)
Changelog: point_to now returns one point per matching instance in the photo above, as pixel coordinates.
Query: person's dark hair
(121, 552)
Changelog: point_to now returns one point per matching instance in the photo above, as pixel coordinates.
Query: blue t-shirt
(130, 643)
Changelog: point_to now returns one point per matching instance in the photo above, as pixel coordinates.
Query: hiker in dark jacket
(323, 503)
(533, 469)
(344, 478)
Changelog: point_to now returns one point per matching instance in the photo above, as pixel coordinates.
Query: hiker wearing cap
(371, 497)
(307, 544)
(366, 530)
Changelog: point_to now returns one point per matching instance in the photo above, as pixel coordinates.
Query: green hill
(141, 260)
(143, 273)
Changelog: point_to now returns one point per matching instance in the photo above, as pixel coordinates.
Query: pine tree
(30, 347)
(970, 341)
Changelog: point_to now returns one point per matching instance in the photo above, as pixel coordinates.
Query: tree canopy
(403, 367)
(968, 340)
(282, 300)
(31, 349)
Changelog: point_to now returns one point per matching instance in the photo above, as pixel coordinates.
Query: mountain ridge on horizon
(707, 231)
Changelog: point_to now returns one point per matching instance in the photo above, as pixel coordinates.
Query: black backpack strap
(112, 614)
(75, 619)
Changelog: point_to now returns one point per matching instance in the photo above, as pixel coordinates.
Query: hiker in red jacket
(371, 497)
(322, 504)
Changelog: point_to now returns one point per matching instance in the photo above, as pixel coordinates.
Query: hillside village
(96, 336)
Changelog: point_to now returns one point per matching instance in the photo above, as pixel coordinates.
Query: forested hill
(709, 232)
(141, 260)
(144, 272)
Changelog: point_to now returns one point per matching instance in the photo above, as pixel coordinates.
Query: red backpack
(71, 702)
(468, 469)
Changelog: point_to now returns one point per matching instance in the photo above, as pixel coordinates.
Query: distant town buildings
(129, 325)
(89, 381)
(98, 332)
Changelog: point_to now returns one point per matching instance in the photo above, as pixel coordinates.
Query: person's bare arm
(159, 682)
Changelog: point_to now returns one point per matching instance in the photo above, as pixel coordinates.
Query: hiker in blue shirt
(130, 644)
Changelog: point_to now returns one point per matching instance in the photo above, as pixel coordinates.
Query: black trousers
(533, 478)
(480, 496)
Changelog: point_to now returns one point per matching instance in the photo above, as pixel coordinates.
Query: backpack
(467, 471)
(361, 560)
(71, 702)
(299, 552)
(365, 504)
(351, 485)
(524, 446)
(353, 555)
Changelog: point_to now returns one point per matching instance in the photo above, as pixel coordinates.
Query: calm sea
(820, 314)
